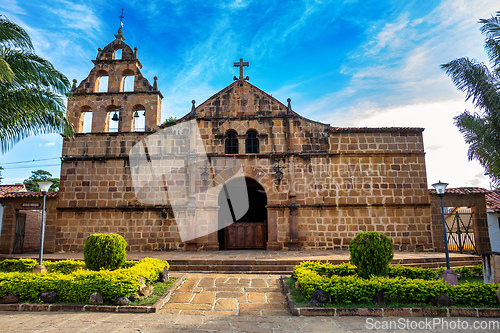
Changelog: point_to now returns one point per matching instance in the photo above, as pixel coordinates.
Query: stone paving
(303, 255)
(76, 322)
(228, 294)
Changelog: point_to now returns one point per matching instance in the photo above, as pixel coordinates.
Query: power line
(43, 159)
(32, 167)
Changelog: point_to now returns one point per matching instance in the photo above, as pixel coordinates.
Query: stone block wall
(143, 229)
(336, 182)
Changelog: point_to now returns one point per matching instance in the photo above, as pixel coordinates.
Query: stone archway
(249, 231)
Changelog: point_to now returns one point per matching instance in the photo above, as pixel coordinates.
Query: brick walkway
(228, 294)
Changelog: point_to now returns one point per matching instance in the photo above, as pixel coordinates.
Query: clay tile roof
(375, 129)
(462, 190)
(493, 200)
(29, 195)
(4, 189)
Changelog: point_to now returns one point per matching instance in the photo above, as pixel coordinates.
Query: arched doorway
(249, 231)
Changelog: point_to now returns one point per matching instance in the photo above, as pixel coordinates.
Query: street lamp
(448, 275)
(440, 190)
(44, 187)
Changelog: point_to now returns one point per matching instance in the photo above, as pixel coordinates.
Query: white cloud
(11, 6)
(388, 36)
(446, 153)
(77, 17)
(47, 144)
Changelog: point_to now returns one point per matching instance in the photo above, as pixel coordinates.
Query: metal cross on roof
(121, 18)
(241, 64)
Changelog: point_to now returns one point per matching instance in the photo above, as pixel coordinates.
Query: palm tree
(31, 90)
(481, 130)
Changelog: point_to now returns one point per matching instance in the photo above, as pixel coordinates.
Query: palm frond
(12, 35)
(483, 137)
(30, 68)
(478, 83)
(491, 27)
(31, 90)
(6, 73)
(492, 48)
(29, 112)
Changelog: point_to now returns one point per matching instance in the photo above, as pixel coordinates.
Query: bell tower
(115, 96)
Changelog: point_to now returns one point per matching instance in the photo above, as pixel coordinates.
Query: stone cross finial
(241, 64)
(121, 18)
(289, 107)
(193, 108)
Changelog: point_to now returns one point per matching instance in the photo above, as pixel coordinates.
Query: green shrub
(371, 253)
(104, 251)
(18, 265)
(408, 285)
(354, 289)
(463, 271)
(412, 272)
(474, 293)
(79, 285)
(64, 266)
(327, 269)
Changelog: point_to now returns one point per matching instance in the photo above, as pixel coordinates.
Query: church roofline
(157, 92)
(109, 61)
(294, 114)
(332, 129)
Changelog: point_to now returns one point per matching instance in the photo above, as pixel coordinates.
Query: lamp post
(440, 190)
(448, 275)
(44, 187)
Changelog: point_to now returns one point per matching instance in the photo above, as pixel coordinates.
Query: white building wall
(494, 230)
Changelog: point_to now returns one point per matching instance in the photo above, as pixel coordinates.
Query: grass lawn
(160, 288)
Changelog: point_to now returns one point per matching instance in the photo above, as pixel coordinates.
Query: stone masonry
(336, 182)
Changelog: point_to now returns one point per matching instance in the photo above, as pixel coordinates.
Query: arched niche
(86, 119)
(101, 81)
(113, 112)
(139, 123)
(117, 54)
(128, 78)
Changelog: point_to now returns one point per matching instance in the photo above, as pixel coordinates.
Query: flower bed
(405, 285)
(72, 282)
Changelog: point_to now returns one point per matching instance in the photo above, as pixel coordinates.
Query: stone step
(285, 266)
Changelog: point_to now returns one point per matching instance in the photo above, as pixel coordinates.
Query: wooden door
(19, 238)
(245, 235)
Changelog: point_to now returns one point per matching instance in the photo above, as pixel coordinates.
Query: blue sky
(346, 63)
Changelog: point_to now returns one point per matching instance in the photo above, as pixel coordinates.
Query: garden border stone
(96, 308)
(384, 312)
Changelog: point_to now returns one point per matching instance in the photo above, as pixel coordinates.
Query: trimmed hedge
(60, 266)
(104, 251)
(80, 284)
(342, 283)
(27, 265)
(345, 269)
(372, 253)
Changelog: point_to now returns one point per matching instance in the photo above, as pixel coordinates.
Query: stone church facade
(310, 185)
